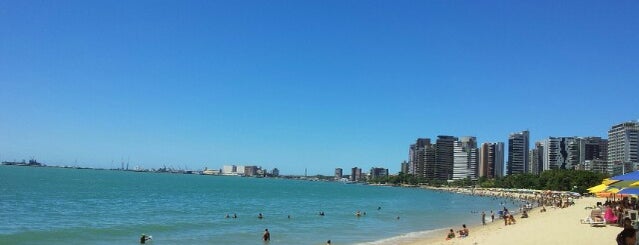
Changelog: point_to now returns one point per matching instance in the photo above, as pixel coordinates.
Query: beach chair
(596, 218)
(633, 215)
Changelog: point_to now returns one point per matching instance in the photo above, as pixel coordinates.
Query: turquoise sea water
(76, 206)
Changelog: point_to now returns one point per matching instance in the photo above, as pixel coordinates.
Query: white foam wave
(408, 237)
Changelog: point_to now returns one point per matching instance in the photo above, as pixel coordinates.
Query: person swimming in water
(260, 216)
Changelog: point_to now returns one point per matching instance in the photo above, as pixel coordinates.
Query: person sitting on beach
(450, 235)
(627, 237)
(511, 219)
(463, 232)
(543, 209)
(524, 215)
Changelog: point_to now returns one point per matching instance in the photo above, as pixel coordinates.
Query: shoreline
(433, 236)
(555, 226)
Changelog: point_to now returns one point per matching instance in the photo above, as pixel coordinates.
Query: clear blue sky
(304, 84)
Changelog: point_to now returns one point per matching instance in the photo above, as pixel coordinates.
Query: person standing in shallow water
(483, 218)
(267, 236)
(144, 238)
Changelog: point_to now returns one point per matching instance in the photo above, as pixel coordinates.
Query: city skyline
(304, 85)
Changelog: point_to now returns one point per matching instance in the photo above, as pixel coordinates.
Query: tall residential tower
(518, 144)
(623, 145)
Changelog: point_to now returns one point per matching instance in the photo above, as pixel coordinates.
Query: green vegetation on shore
(558, 180)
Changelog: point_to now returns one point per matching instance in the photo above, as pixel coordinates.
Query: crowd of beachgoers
(525, 199)
(615, 212)
(559, 199)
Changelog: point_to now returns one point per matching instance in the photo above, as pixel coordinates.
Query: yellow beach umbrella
(635, 184)
(610, 181)
(598, 188)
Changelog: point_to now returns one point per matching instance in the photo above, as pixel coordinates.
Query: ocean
(83, 206)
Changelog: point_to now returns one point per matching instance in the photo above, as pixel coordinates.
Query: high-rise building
(416, 155)
(593, 148)
(561, 153)
(422, 159)
(518, 144)
(432, 161)
(623, 145)
(338, 173)
(444, 155)
(356, 174)
(601, 166)
(537, 158)
(465, 158)
(491, 163)
(378, 172)
(404, 168)
(250, 170)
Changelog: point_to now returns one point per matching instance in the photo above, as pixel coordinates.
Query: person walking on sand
(267, 236)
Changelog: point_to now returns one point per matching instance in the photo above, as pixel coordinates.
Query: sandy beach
(556, 226)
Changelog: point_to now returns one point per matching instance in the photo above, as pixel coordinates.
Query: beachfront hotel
(623, 145)
(518, 144)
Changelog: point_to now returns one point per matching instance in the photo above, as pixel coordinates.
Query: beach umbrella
(613, 190)
(609, 181)
(598, 188)
(629, 176)
(623, 183)
(629, 191)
